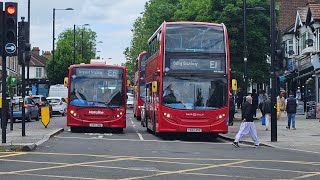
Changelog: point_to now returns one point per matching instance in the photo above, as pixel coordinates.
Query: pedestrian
(267, 112)
(247, 125)
(263, 97)
(254, 96)
(281, 102)
(239, 98)
(291, 104)
(232, 110)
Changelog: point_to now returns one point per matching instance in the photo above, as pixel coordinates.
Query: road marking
(271, 169)
(10, 155)
(67, 165)
(55, 176)
(307, 176)
(188, 170)
(158, 141)
(140, 136)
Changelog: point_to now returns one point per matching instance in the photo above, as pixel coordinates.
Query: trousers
(245, 129)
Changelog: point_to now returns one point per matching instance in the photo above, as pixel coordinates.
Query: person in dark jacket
(232, 110)
(254, 96)
(266, 107)
(291, 104)
(247, 126)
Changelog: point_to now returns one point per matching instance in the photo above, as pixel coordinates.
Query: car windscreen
(36, 99)
(53, 101)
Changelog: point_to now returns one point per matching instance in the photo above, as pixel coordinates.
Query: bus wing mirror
(154, 86)
(128, 83)
(65, 82)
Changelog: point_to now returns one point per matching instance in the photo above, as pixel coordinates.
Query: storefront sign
(290, 65)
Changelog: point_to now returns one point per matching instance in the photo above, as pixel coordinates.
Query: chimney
(36, 50)
(46, 54)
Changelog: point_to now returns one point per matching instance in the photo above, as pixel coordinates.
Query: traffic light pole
(273, 73)
(4, 100)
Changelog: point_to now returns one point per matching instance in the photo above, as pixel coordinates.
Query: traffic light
(27, 48)
(10, 28)
(280, 53)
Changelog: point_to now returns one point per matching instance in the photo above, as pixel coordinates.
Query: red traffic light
(11, 10)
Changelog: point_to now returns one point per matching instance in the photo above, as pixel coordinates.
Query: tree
(228, 12)
(156, 11)
(58, 69)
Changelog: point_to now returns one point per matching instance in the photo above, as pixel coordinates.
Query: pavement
(305, 138)
(36, 134)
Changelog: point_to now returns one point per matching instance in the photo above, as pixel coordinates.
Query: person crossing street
(247, 126)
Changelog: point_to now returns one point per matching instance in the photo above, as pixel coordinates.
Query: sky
(111, 19)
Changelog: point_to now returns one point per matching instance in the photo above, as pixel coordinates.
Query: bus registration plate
(194, 130)
(95, 125)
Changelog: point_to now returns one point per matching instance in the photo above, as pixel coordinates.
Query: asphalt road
(137, 154)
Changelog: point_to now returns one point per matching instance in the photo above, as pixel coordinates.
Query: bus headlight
(167, 115)
(221, 116)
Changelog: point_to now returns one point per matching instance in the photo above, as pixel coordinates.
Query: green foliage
(228, 12)
(58, 69)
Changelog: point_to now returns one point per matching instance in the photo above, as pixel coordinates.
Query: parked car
(59, 105)
(130, 100)
(41, 101)
(31, 109)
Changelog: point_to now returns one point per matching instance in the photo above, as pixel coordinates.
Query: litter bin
(311, 110)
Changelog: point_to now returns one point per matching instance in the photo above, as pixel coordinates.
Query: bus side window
(149, 92)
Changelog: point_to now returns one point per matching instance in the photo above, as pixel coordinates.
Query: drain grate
(315, 135)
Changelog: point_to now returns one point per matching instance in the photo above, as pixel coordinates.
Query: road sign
(45, 116)
(10, 48)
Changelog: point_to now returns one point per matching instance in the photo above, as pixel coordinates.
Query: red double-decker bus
(187, 78)
(96, 96)
(139, 88)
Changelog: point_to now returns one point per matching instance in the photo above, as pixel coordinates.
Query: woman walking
(247, 126)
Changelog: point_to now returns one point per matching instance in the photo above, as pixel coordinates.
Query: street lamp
(74, 40)
(53, 20)
(245, 50)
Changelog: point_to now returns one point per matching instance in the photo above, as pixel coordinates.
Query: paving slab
(306, 137)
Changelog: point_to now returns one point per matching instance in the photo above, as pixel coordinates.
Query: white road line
(140, 136)
(161, 141)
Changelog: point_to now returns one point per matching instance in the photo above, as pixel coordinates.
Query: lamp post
(74, 41)
(53, 28)
(245, 50)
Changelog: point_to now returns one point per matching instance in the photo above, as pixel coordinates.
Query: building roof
(37, 60)
(315, 11)
(303, 13)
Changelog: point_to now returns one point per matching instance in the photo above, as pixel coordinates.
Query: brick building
(288, 11)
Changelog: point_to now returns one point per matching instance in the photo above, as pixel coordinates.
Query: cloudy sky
(110, 19)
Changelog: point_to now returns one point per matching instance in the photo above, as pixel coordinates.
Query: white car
(130, 100)
(59, 105)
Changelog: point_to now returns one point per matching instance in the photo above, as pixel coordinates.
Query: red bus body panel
(138, 102)
(108, 117)
(207, 120)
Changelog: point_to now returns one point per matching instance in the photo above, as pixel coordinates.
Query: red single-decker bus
(96, 96)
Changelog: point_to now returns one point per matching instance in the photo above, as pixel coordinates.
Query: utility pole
(28, 41)
(273, 73)
(245, 50)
